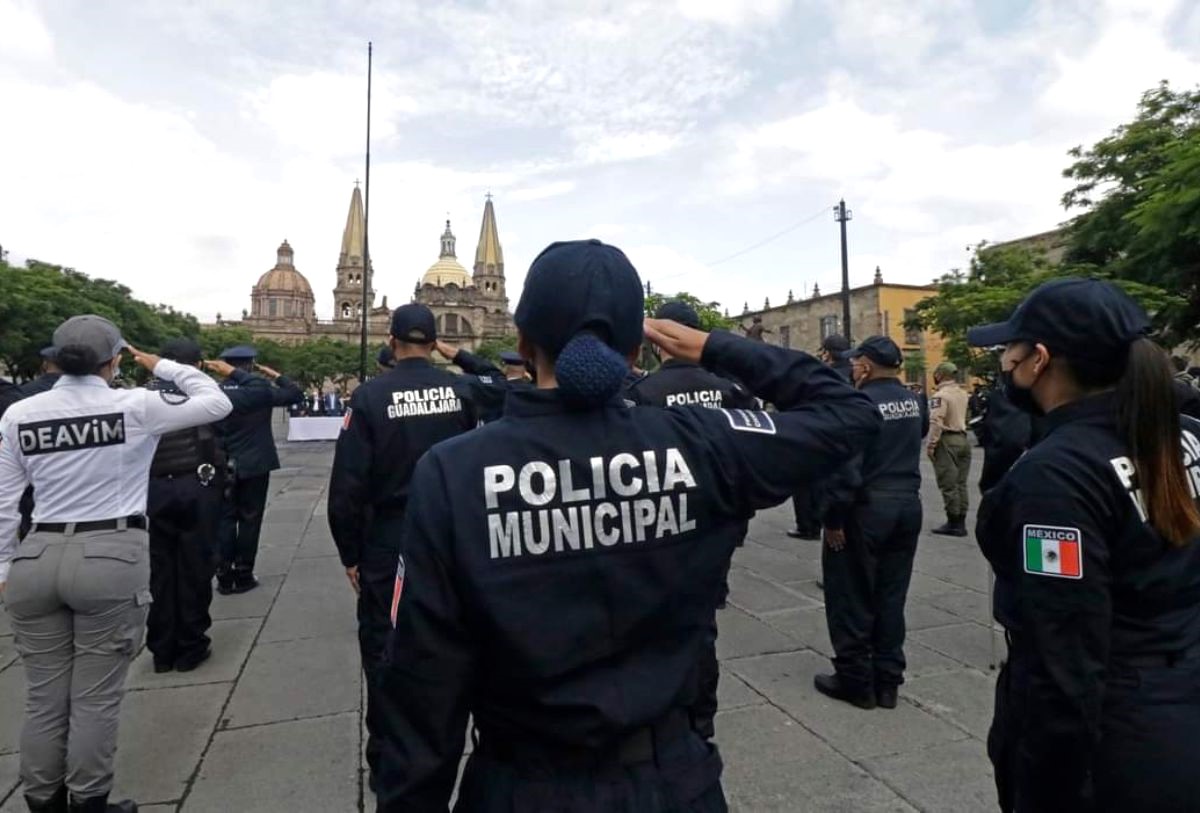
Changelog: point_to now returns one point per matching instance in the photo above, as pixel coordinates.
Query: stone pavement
(273, 722)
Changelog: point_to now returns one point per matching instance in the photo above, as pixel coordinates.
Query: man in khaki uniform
(948, 447)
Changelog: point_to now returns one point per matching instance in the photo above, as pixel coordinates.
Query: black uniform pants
(183, 532)
(704, 710)
(1146, 759)
(684, 776)
(241, 521)
(866, 586)
(376, 582)
(806, 507)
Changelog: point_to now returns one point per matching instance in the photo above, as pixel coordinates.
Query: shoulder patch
(173, 398)
(750, 420)
(397, 589)
(346, 419)
(486, 379)
(935, 402)
(1052, 550)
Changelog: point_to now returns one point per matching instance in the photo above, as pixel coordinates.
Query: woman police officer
(560, 566)
(1093, 538)
(77, 587)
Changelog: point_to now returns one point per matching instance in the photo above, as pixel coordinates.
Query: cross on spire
(488, 196)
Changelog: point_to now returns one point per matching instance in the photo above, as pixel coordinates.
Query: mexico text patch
(1051, 550)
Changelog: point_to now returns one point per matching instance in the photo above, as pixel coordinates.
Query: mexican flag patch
(1053, 551)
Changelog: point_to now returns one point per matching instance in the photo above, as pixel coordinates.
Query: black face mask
(1019, 397)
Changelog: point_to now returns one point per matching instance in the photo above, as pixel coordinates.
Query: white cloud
(553, 189)
(733, 12)
(23, 36)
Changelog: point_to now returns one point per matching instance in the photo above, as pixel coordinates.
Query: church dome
(284, 278)
(447, 270)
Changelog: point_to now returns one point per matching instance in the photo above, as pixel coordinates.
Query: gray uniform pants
(78, 606)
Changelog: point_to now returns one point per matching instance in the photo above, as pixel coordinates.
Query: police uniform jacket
(393, 420)
(891, 462)
(678, 383)
(246, 433)
(948, 411)
(560, 566)
(1083, 584)
(487, 384)
(182, 452)
(17, 392)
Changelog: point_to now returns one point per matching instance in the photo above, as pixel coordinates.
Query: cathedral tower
(348, 295)
(489, 273)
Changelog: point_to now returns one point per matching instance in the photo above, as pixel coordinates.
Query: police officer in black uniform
(486, 383)
(808, 504)
(1094, 535)
(250, 445)
(1005, 433)
(560, 566)
(49, 377)
(682, 383)
(872, 522)
(187, 477)
(394, 419)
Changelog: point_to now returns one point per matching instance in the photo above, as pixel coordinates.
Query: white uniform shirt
(87, 448)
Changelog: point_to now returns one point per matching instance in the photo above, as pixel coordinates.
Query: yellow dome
(446, 271)
(284, 280)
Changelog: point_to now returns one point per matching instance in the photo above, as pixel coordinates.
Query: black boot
(100, 804)
(833, 686)
(962, 526)
(243, 579)
(224, 579)
(55, 804)
(955, 526)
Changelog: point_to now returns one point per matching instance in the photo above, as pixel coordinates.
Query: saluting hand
(446, 351)
(267, 371)
(147, 360)
(680, 341)
(221, 368)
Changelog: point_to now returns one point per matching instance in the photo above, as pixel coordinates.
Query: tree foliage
(710, 314)
(492, 348)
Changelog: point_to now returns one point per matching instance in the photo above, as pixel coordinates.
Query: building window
(914, 375)
(911, 335)
(452, 323)
(272, 305)
(464, 328)
(829, 326)
(346, 310)
(785, 336)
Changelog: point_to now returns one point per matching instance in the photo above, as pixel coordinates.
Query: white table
(317, 428)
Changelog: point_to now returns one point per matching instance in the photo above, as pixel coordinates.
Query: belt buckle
(206, 472)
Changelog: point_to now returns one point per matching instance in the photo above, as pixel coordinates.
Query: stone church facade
(471, 307)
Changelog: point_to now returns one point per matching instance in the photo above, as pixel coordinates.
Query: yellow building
(877, 309)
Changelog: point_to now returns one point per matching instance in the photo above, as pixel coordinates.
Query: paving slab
(315, 601)
(756, 594)
(970, 605)
(966, 643)
(919, 614)
(274, 560)
(786, 680)
(951, 778)
(776, 565)
(293, 766)
(289, 680)
(807, 627)
(963, 697)
(10, 776)
(733, 693)
(163, 733)
(740, 634)
(8, 651)
(231, 642)
(12, 709)
(254, 604)
(772, 763)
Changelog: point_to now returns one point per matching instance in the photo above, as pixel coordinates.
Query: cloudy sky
(173, 145)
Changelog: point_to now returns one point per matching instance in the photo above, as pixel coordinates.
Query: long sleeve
(348, 483)
(937, 421)
(13, 481)
(430, 661)
(822, 421)
(841, 491)
(205, 402)
(475, 365)
(285, 392)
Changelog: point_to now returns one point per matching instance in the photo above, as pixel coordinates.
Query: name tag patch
(1053, 551)
(71, 434)
(750, 420)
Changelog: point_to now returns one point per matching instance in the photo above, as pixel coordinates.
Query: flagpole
(368, 273)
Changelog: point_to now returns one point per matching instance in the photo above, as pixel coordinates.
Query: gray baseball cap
(93, 332)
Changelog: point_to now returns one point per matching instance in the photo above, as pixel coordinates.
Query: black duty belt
(954, 431)
(136, 521)
(635, 748)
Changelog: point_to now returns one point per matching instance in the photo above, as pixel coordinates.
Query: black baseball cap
(835, 343)
(240, 352)
(182, 350)
(1077, 317)
(414, 324)
(385, 357)
(578, 285)
(512, 358)
(678, 311)
(879, 349)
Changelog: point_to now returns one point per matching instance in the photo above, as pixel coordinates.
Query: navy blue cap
(678, 311)
(835, 343)
(385, 357)
(239, 352)
(1076, 317)
(512, 358)
(49, 353)
(578, 285)
(183, 350)
(879, 349)
(414, 323)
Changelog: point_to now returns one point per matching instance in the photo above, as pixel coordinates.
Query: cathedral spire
(489, 254)
(447, 242)
(352, 235)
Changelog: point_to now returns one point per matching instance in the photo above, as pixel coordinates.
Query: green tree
(492, 348)
(710, 314)
(1140, 192)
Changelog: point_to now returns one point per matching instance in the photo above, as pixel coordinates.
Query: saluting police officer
(187, 477)
(872, 522)
(250, 446)
(1094, 535)
(487, 384)
(948, 447)
(77, 587)
(394, 419)
(560, 566)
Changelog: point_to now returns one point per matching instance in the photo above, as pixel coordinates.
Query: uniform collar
(531, 403)
(946, 384)
(1100, 405)
(677, 364)
(412, 363)
(80, 381)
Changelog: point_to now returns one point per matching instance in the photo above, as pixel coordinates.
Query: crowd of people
(539, 548)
